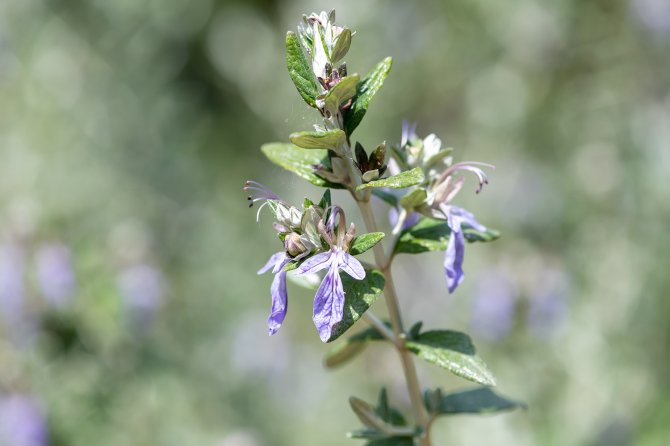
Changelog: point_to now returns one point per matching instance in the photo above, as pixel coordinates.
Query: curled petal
(328, 303)
(453, 260)
(352, 266)
(315, 263)
(276, 259)
(279, 302)
(457, 216)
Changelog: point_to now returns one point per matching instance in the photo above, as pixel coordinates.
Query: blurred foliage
(130, 312)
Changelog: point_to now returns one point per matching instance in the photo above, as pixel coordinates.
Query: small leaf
(331, 139)
(368, 415)
(393, 441)
(300, 69)
(452, 350)
(342, 45)
(481, 400)
(390, 199)
(325, 201)
(433, 235)
(359, 295)
(403, 179)
(299, 161)
(365, 92)
(364, 242)
(340, 93)
(414, 198)
(351, 347)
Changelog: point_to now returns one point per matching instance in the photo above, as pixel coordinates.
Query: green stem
(391, 298)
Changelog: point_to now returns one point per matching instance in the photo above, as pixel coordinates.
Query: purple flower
(21, 422)
(453, 258)
(277, 290)
(55, 274)
(329, 299)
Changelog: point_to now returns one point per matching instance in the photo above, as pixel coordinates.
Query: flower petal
(275, 259)
(352, 266)
(328, 303)
(453, 260)
(279, 302)
(315, 263)
(457, 216)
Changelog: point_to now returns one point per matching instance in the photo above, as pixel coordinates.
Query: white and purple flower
(329, 299)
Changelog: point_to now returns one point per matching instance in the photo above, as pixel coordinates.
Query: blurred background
(130, 309)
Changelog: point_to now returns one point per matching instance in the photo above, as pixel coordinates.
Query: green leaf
(390, 199)
(331, 139)
(433, 235)
(300, 69)
(340, 93)
(359, 295)
(403, 179)
(393, 441)
(365, 92)
(452, 350)
(342, 45)
(364, 242)
(481, 400)
(325, 201)
(351, 347)
(299, 161)
(414, 198)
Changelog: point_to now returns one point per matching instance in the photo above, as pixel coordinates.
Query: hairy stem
(391, 298)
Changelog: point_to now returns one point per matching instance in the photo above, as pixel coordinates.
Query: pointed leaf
(342, 45)
(365, 92)
(300, 69)
(325, 201)
(400, 181)
(364, 242)
(433, 235)
(390, 199)
(359, 295)
(481, 400)
(299, 161)
(453, 351)
(331, 139)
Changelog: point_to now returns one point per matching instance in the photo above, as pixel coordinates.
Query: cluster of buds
(371, 167)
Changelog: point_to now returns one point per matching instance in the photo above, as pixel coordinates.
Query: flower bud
(294, 245)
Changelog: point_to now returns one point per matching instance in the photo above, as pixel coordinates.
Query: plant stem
(391, 298)
(380, 326)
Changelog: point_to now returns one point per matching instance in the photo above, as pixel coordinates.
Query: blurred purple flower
(55, 273)
(453, 257)
(142, 287)
(494, 306)
(545, 315)
(653, 15)
(411, 219)
(12, 288)
(277, 290)
(329, 299)
(21, 422)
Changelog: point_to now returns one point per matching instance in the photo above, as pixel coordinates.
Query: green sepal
(300, 70)
(351, 347)
(481, 400)
(454, 351)
(344, 90)
(414, 199)
(325, 201)
(404, 179)
(299, 161)
(365, 242)
(359, 296)
(330, 139)
(433, 235)
(364, 94)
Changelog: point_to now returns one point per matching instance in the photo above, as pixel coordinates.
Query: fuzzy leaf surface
(454, 351)
(433, 235)
(300, 69)
(331, 139)
(364, 242)
(299, 161)
(365, 92)
(481, 400)
(403, 179)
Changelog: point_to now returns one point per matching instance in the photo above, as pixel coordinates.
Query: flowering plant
(419, 181)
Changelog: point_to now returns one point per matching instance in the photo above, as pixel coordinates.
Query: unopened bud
(293, 244)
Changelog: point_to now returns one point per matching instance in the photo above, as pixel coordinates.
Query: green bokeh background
(128, 127)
